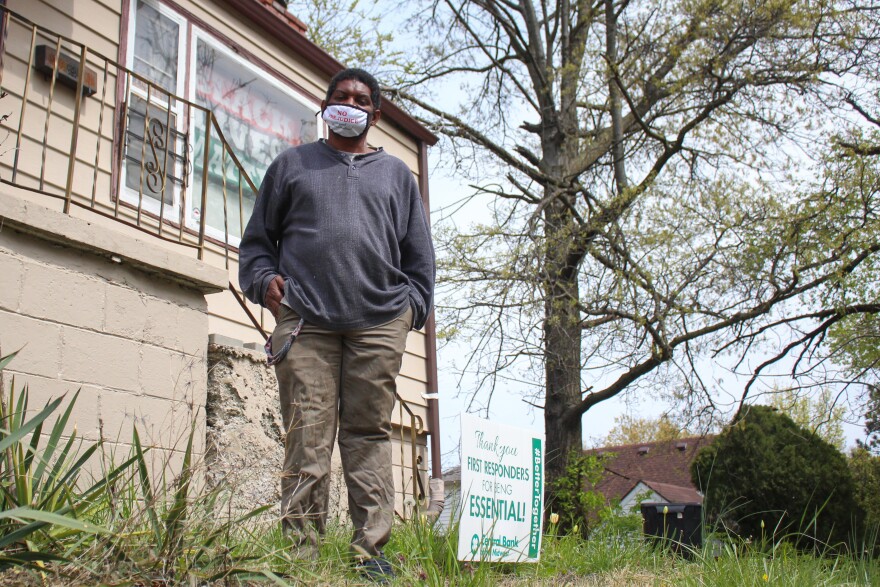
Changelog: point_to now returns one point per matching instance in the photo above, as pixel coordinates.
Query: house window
(259, 119)
(157, 49)
(165, 140)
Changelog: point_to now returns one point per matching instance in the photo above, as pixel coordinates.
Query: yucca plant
(169, 528)
(40, 499)
(53, 509)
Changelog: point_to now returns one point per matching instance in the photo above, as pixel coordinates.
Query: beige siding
(394, 142)
(95, 23)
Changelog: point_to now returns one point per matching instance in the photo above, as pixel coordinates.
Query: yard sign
(502, 492)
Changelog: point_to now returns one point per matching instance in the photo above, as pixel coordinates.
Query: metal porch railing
(93, 134)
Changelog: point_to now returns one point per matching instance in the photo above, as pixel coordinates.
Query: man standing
(338, 248)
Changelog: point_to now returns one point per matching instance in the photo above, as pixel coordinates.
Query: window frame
(191, 30)
(148, 203)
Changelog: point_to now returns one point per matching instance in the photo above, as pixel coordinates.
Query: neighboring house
(126, 179)
(651, 471)
(452, 496)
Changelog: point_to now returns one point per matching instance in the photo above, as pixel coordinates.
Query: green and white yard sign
(502, 489)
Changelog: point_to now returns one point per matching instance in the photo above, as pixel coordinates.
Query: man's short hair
(361, 76)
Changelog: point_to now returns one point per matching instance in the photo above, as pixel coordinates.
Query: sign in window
(258, 118)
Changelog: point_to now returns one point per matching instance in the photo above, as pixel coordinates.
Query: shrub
(768, 478)
(865, 470)
(579, 506)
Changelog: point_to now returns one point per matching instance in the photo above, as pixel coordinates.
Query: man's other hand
(274, 294)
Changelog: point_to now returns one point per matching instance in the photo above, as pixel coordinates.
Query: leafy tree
(857, 341)
(630, 430)
(352, 31)
(872, 421)
(663, 187)
(856, 338)
(765, 476)
(865, 470)
(819, 413)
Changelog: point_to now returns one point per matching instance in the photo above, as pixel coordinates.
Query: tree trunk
(562, 324)
(562, 343)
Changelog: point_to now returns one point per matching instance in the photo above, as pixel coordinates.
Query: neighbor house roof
(675, 493)
(663, 466)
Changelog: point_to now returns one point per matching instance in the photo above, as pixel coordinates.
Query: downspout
(436, 495)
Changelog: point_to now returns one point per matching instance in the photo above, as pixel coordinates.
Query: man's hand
(274, 294)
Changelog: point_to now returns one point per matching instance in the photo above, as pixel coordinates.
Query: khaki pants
(346, 379)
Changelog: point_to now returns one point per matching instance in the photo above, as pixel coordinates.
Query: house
(452, 498)
(651, 471)
(133, 139)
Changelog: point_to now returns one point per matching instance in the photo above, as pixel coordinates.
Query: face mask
(346, 121)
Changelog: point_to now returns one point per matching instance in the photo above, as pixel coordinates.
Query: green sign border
(537, 497)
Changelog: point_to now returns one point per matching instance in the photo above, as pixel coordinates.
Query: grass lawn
(256, 554)
(61, 525)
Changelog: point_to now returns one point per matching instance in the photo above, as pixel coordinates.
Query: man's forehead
(352, 85)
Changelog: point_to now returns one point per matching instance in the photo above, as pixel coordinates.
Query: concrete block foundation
(101, 312)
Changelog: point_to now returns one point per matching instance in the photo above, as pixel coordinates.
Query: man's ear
(323, 105)
(377, 114)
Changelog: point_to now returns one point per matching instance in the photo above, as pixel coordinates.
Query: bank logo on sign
(475, 544)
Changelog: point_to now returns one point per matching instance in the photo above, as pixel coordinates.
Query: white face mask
(346, 121)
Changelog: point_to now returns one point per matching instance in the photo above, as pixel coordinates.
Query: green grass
(253, 552)
(61, 525)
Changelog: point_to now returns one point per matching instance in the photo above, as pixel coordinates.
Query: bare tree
(352, 31)
(664, 188)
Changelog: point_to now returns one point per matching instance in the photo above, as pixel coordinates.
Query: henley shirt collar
(346, 156)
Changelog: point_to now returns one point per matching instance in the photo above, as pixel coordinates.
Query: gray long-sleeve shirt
(349, 236)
